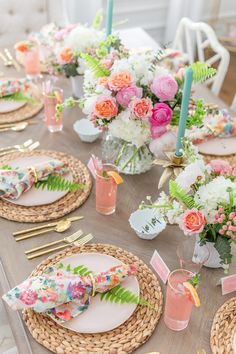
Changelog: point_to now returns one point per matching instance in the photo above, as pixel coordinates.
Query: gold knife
(73, 218)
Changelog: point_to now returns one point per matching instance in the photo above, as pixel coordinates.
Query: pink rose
(125, 95)
(164, 87)
(28, 297)
(192, 222)
(161, 117)
(221, 166)
(141, 108)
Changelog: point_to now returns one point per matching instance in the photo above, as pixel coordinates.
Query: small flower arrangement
(202, 201)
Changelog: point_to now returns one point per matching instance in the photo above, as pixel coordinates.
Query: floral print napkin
(64, 295)
(15, 182)
(8, 87)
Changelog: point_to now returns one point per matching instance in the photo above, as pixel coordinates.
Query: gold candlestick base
(173, 165)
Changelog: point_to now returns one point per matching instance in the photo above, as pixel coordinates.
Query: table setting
(117, 207)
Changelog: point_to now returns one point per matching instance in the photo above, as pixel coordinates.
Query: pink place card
(228, 284)
(91, 167)
(160, 266)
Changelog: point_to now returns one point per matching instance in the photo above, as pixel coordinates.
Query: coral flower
(120, 80)
(106, 107)
(22, 46)
(192, 222)
(66, 55)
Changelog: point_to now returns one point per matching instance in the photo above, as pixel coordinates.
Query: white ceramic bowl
(86, 131)
(146, 224)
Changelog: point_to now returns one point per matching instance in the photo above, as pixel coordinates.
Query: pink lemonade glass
(178, 307)
(106, 191)
(32, 62)
(51, 99)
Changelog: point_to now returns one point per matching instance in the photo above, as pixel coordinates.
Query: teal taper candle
(109, 17)
(184, 109)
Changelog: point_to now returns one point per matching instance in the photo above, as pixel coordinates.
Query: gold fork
(80, 242)
(11, 59)
(24, 149)
(16, 147)
(68, 239)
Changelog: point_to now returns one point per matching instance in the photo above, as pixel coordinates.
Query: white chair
(192, 38)
(233, 108)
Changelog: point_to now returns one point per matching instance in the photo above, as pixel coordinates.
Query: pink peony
(125, 95)
(141, 108)
(164, 87)
(221, 166)
(192, 222)
(28, 297)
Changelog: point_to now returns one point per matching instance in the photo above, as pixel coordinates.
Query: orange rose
(192, 222)
(66, 55)
(120, 80)
(106, 107)
(22, 46)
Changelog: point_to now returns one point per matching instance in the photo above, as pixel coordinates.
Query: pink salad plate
(101, 316)
(8, 106)
(34, 196)
(218, 146)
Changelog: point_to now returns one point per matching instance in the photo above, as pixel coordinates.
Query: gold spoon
(16, 128)
(61, 226)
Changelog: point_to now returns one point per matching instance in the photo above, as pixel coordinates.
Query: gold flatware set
(57, 226)
(8, 59)
(17, 127)
(27, 146)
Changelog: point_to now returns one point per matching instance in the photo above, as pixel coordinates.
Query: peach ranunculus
(66, 56)
(103, 81)
(22, 46)
(141, 108)
(106, 107)
(192, 222)
(120, 80)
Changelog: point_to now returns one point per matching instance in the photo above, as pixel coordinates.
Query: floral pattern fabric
(64, 295)
(15, 182)
(8, 87)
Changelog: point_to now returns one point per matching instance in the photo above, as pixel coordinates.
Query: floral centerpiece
(137, 100)
(202, 201)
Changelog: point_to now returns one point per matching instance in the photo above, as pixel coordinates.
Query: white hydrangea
(214, 193)
(81, 38)
(134, 131)
(171, 210)
(89, 104)
(173, 215)
(192, 173)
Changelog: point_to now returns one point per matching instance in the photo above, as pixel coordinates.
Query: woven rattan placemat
(224, 328)
(61, 207)
(122, 340)
(230, 158)
(27, 111)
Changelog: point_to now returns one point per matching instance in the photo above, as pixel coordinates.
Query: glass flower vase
(127, 158)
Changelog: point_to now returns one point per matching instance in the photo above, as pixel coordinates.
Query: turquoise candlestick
(184, 109)
(109, 17)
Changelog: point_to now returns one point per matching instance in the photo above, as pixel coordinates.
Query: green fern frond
(58, 183)
(79, 270)
(98, 20)
(19, 96)
(95, 66)
(178, 193)
(121, 295)
(202, 72)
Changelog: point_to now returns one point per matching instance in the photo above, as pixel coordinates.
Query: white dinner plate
(34, 197)
(218, 146)
(101, 316)
(7, 106)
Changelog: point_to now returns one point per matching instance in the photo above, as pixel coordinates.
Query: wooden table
(115, 230)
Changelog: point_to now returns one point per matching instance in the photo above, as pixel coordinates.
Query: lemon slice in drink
(117, 178)
(193, 293)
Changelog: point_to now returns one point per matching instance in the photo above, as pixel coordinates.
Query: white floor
(7, 342)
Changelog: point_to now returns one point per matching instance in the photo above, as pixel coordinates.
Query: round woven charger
(63, 206)
(27, 111)
(230, 158)
(125, 338)
(224, 328)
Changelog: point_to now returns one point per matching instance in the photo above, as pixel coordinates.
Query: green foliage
(121, 295)
(196, 119)
(202, 72)
(95, 66)
(98, 20)
(70, 69)
(195, 280)
(18, 96)
(79, 270)
(58, 183)
(6, 167)
(178, 193)
(223, 247)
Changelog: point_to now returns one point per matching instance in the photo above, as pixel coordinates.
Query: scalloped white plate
(7, 106)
